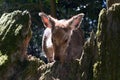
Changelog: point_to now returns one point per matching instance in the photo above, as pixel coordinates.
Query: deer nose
(51, 61)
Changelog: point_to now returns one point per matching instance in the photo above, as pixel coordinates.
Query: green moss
(101, 45)
(3, 58)
(96, 68)
(102, 18)
(12, 25)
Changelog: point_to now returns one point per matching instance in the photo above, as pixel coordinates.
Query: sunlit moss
(18, 29)
(96, 66)
(102, 17)
(3, 58)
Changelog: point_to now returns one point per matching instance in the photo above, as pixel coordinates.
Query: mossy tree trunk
(110, 2)
(15, 34)
(108, 40)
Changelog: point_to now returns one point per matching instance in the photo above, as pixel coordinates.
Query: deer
(63, 39)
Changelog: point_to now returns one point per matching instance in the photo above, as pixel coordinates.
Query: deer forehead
(60, 34)
(61, 23)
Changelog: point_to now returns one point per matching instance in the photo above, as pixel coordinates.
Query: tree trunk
(108, 40)
(40, 5)
(15, 34)
(110, 2)
(53, 8)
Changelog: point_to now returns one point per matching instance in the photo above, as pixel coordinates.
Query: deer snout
(51, 59)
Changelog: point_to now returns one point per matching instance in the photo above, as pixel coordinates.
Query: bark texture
(53, 8)
(108, 35)
(15, 34)
(110, 2)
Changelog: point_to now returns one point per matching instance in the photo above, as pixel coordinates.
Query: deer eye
(53, 40)
(66, 40)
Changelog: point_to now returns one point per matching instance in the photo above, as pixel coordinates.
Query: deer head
(61, 31)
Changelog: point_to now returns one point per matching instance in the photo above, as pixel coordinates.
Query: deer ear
(47, 21)
(75, 21)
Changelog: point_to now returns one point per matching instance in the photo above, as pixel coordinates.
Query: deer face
(61, 32)
(60, 40)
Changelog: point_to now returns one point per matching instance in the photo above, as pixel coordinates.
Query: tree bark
(108, 35)
(110, 2)
(40, 5)
(53, 8)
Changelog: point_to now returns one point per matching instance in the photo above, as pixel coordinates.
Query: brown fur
(66, 37)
